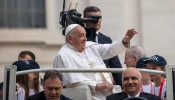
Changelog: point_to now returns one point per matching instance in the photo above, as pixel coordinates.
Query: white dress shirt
(96, 38)
(134, 96)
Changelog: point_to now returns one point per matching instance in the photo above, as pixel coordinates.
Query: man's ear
(69, 38)
(62, 83)
(141, 82)
(136, 59)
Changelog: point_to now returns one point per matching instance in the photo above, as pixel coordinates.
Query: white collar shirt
(134, 96)
(96, 38)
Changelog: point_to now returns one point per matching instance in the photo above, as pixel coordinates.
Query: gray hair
(137, 51)
(138, 72)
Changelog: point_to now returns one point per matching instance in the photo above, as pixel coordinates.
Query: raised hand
(129, 34)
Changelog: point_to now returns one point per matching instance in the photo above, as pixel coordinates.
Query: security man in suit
(53, 87)
(132, 82)
(103, 39)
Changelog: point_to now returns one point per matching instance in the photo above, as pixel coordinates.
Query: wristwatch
(124, 42)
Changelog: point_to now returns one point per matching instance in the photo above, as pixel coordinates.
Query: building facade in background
(34, 25)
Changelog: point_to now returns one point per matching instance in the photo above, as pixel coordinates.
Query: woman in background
(33, 78)
(27, 84)
(21, 81)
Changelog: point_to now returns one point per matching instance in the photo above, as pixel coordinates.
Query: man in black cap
(157, 62)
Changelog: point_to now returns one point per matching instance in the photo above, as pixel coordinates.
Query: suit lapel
(62, 98)
(123, 96)
(42, 96)
(142, 95)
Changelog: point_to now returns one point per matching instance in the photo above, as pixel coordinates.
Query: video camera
(74, 17)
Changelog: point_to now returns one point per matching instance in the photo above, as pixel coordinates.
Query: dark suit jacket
(113, 62)
(41, 96)
(122, 95)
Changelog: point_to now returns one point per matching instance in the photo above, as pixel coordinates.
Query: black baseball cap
(25, 65)
(158, 60)
(32, 64)
(142, 62)
(21, 65)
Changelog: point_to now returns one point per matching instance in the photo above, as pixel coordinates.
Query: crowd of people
(77, 53)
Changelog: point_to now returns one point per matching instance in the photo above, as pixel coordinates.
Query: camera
(74, 17)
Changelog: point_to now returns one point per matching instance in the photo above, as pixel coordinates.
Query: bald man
(77, 53)
(132, 82)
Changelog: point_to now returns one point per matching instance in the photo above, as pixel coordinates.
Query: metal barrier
(170, 86)
(10, 77)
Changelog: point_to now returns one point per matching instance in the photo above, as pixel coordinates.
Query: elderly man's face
(53, 88)
(129, 60)
(131, 81)
(78, 38)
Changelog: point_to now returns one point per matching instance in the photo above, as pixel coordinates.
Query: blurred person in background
(157, 62)
(34, 79)
(147, 85)
(34, 82)
(133, 54)
(26, 84)
(26, 55)
(22, 90)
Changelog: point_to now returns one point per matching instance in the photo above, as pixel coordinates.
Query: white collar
(70, 46)
(58, 99)
(134, 96)
(97, 32)
(89, 43)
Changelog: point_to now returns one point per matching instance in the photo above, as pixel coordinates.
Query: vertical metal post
(169, 82)
(9, 85)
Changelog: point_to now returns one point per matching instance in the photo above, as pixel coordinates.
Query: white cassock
(91, 57)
